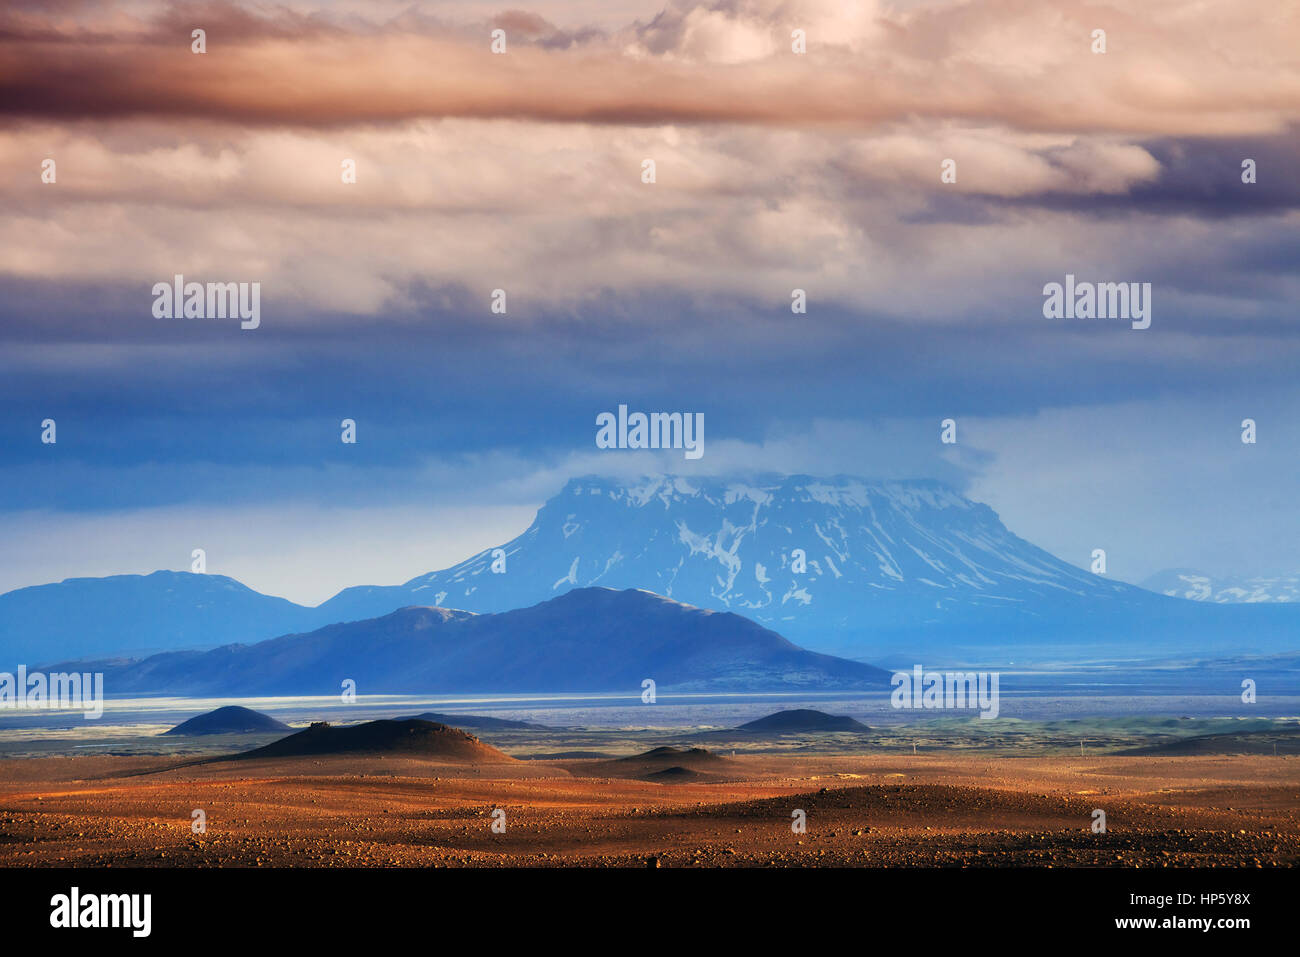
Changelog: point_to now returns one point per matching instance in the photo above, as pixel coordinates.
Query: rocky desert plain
(442, 797)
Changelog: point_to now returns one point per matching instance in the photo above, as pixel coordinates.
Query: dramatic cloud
(522, 171)
(775, 171)
(1012, 63)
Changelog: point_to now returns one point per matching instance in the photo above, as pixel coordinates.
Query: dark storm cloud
(1201, 177)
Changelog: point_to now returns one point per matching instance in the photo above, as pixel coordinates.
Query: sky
(523, 171)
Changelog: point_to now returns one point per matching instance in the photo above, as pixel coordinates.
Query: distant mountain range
(1195, 586)
(589, 639)
(888, 569)
(127, 614)
(868, 570)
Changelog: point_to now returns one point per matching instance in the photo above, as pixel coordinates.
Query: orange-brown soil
(949, 810)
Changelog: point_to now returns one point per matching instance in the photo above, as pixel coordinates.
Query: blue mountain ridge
(588, 639)
(888, 568)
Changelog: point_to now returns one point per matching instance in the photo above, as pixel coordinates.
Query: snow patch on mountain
(1196, 586)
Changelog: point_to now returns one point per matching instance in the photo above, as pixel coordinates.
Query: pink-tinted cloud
(1211, 70)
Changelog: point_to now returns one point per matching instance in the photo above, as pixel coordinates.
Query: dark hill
(669, 756)
(588, 639)
(231, 719)
(802, 719)
(410, 737)
(674, 774)
(659, 764)
(1284, 740)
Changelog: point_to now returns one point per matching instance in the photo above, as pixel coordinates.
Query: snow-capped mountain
(878, 571)
(1195, 586)
(841, 565)
(802, 555)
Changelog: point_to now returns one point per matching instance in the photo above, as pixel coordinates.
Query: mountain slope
(591, 639)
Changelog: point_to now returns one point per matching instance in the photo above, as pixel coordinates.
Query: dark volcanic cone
(410, 737)
(230, 720)
(802, 719)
